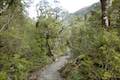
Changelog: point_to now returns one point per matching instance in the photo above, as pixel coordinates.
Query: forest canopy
(91, 36)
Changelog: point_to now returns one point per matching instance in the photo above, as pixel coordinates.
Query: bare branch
(8, 22)
(4, 9)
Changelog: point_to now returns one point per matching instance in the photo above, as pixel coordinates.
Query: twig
(6, 23)
(2, 10)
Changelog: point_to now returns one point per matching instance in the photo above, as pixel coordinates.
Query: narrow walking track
(51, 71)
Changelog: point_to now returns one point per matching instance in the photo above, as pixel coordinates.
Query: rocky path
(51, 72)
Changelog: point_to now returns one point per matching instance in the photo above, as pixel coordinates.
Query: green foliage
(23, 44)
(96, 50)
(20, 52)
(50, 29)
(115, 14)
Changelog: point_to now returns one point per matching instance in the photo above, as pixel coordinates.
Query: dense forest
(90, 36)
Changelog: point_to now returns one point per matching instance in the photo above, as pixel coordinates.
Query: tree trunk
(49, 53)
(105, 4)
